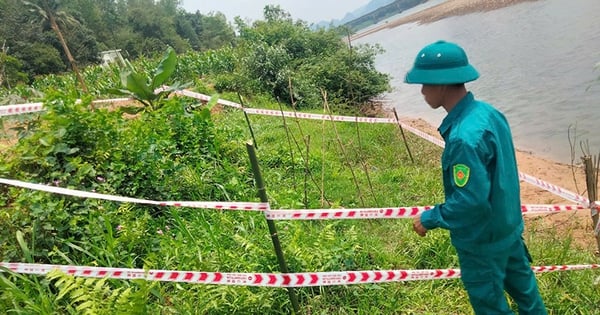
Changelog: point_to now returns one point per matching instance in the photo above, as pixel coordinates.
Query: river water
(537, 63)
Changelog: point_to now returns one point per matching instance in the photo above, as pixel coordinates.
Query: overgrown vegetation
(182, 150)
(39, 37)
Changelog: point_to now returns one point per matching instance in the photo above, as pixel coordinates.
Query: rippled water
(536, 61)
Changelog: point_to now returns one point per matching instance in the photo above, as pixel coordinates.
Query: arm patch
(461, 174)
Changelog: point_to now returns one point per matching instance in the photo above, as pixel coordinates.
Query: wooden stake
(591, 180)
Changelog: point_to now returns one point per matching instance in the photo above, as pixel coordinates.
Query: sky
(311, 11)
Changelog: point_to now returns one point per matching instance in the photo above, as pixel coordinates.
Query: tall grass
(305, 164)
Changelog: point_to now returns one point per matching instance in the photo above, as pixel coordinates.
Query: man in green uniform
(482, 209)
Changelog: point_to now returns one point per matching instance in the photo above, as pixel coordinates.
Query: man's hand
(418, 227)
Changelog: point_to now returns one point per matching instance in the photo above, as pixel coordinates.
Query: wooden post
(591, 180)
(403, 137)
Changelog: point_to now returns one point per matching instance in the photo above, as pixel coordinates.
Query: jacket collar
(455, 113)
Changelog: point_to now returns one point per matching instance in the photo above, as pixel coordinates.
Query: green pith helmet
(441, 63)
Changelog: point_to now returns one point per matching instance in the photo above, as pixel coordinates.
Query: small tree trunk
(56, 29)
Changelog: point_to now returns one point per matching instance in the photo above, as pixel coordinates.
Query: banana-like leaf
(137, 84)
(121, 92)
(132, 110)
(165, 68)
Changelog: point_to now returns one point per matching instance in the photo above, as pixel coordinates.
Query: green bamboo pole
(248, 121)
(262, 194)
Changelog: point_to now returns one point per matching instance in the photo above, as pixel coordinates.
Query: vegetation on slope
(182, 150)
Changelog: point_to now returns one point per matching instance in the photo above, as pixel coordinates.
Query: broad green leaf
(24, 247)
(132, 110)
(45, 142)
(136, 83)
(165, 68)
(61, 148)
(119, 92)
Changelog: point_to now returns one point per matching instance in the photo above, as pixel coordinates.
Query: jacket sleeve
(466, 202)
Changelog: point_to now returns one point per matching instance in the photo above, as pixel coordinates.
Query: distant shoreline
(443, 10)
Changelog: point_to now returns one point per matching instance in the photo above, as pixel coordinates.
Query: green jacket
(482, 209)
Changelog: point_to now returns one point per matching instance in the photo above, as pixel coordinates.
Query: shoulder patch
(461, 174)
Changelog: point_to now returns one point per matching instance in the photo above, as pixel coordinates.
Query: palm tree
(48, 10)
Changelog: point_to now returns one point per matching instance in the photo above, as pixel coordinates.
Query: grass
(305, 164)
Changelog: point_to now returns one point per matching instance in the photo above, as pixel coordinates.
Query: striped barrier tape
(390, 213)
(18, 109)
(305, 279)
(206, 98)
(564, 193)
(8, 110)
(191, 204)
(272, 112)
(303, 214)
(328, 214)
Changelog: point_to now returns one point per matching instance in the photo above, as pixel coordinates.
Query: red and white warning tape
(327, 214)
(18, 109)
(257, 206)
(306, 279)
(390, 213)
(206, 98)
(564, 193)
(9, 110)
(303, 214)
(270, 112)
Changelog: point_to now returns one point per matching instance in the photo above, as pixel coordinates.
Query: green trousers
(487, 277)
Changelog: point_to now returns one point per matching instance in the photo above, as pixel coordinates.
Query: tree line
(31, 31)
(276, 56)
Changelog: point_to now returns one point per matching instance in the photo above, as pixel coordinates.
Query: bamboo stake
(247, 121)
(345, 155)
(591, 178)
(262, 193)
(321, 191)
(364, 164)
(403, 137)
(287, 133)
(306, 170)
(323, 148)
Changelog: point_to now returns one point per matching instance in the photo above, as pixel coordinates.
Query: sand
(441, 11)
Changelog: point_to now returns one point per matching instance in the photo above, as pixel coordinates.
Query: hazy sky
(311, 11)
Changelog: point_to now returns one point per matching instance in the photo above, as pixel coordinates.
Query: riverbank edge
(441, 11)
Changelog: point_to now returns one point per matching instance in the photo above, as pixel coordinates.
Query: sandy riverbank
(578, 223)
(441, 11)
